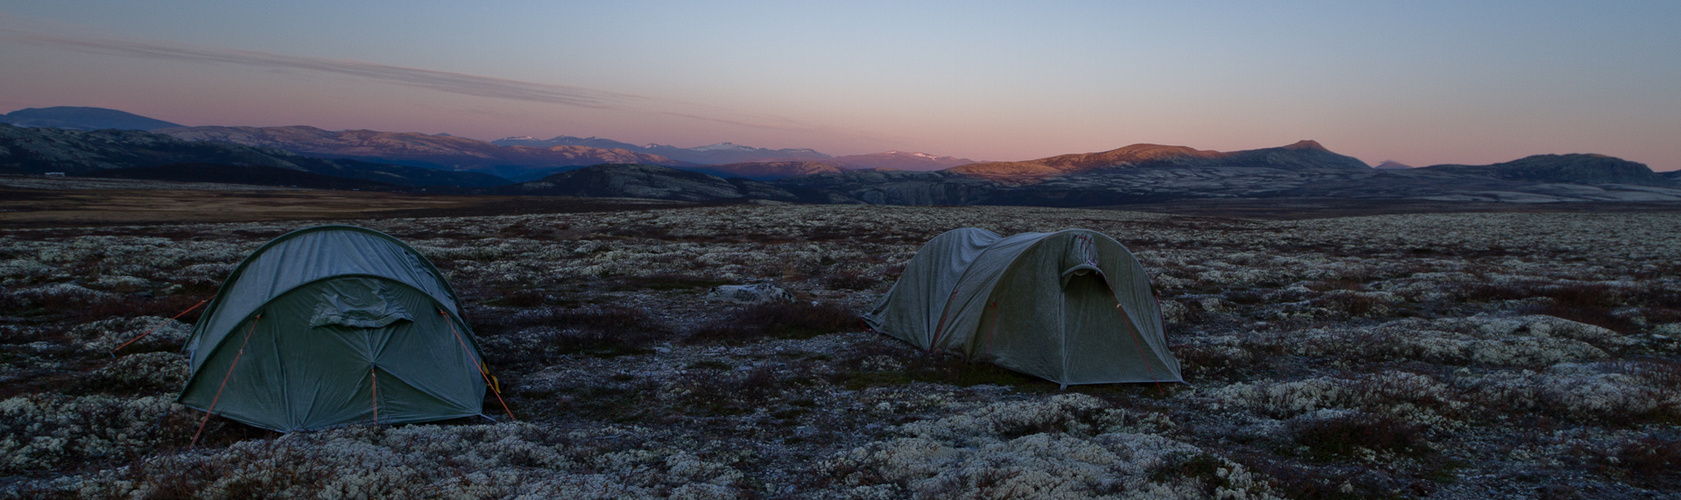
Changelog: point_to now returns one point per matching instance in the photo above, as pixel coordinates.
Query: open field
(1445, 355)
(55, 202)
(1322, 208)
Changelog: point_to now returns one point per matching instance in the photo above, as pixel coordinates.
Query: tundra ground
(1440, 355)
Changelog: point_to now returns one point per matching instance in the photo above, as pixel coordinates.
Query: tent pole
(236, 356)
(993, 330)
(477, 364)
(934, 342)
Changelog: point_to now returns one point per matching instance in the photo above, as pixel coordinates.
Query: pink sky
(1416, 82)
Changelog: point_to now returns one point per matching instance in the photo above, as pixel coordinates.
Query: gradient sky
(1412, 81)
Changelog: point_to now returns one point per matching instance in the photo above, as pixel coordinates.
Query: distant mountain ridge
(39, 150)
(1569, 168)
(713, 154)
(1143, 173)
(901, 160)
(441, 152)
(1138, 173)
(82, 118)
(1300, 155)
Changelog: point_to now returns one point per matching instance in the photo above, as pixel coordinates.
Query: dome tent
(1072, 307)
(333, 325)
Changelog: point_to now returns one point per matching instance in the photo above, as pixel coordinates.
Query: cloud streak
(441, 81)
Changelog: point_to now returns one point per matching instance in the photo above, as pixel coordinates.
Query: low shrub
(850, 280)
(1649, 461)
(1332, 434)
(535, 334)
(735, 392)
(1246, 297)
(602, 331)
(794, 320)
(1215, 360)
(1591, 303)
(889, 363)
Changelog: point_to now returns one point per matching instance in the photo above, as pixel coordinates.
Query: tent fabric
(307, 255)
(334, 325)
(1073, 306)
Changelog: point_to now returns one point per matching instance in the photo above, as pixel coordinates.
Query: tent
(334, 325)
(1072, 307)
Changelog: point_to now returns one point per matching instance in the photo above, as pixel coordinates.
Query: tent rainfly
(1072, 307)
(334, 325)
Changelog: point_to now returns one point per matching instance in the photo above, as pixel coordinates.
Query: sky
(1418, 82)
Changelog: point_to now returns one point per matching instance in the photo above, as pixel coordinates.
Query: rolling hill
(769, 170)
(901, 160)
(82, 118)
(1301, 155)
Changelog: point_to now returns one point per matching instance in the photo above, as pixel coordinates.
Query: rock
(750, 294)
(1214, 305)
(1174, 312)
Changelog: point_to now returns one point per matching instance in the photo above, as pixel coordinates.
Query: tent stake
(374, 378)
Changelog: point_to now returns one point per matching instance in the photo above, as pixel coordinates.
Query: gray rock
(750, 294)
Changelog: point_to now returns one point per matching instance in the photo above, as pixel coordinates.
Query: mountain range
(518, 159)
(438, 152)
(726, 153)
(572, 166)
(36, 150)
(714, 154)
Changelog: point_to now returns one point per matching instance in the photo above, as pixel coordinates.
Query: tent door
(1099, 342)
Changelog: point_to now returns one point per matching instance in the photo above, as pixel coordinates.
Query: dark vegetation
(1341, 436)
(236, 174)
(793, 320)
(545, 332)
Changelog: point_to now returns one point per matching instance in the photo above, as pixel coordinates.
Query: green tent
(1072, 307)
(334, 325)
